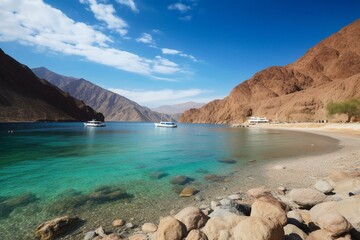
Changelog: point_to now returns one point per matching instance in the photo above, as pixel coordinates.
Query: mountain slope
(177, 108)
(330, 71)
(25, 97)
(114, 106)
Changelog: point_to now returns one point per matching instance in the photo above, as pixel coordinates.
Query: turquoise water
(49, 169)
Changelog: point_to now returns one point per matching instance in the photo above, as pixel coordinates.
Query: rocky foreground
(329, 210)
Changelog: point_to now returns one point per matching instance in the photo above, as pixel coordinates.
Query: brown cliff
(330, 71)
(25, 97)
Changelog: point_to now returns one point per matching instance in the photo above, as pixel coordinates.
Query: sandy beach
(304, 171)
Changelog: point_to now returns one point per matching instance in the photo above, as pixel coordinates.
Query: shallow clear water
(49, 169)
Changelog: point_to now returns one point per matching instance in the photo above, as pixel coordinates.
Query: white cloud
(107, 14)
(169, 51)
(130, 3)
(159, 97)
(146, 38)
(186, 18)
(35, 23)
(180, 7)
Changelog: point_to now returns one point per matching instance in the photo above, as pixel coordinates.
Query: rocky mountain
(114, 106)
(330, 71)
(177, 108)
(25, 97)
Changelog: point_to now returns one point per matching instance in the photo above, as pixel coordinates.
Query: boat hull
(165, 125)
(94, 125)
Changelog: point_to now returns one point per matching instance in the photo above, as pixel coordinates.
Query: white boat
(166, 124)
(94, 123)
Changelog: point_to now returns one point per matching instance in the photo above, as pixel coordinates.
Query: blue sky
(159, 52)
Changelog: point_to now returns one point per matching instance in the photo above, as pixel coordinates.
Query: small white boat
(166, 124)
(94, 123)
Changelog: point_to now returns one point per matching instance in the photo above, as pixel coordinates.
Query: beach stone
(215, 225)
(188, 191)
(350, 209)
(148, 227)
(89, 235)
(224, 234)
(259, 229)
(181, 180)
(225, 202)
(192, 218)
(118, 222)
(100, 232)
(234, 196)
(321, 209)
(223, 210)
(307, 197)
(288, 201)
(323, 235)
(274, 201)
(334, 223)
(294, 218)
(281, 190)
(56, 227)
(214, 204)
(204, 206)
(324, 186)
(196, 234)
(139, 236)
(263, 209)
(292, 232)
(112, 236)
(129, 225)
(170, 229)
(259, 192)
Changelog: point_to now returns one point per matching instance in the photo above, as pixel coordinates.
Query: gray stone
(225, 202)
(89, 235)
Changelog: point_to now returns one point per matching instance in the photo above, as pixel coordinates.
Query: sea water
(124, 169)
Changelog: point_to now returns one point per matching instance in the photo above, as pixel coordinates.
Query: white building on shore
(254, 120)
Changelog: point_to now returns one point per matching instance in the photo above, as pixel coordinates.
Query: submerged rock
(7, 205)
(188, 191)
(214, 177)
(157, 175)
(181, 180)
(227, 161)
(98, 196)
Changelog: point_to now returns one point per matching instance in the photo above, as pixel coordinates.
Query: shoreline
(303, 171)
